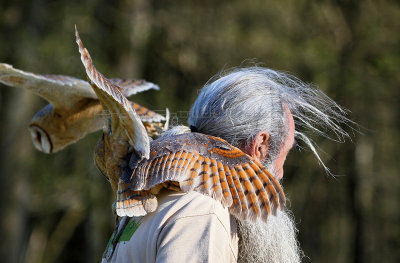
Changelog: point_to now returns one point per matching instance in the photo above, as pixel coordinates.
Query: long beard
(274, 241)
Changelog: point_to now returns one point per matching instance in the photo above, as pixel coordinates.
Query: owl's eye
(40, 138)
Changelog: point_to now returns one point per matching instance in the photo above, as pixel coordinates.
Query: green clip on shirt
(187, 227)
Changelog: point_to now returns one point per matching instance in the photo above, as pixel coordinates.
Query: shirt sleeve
(200, 238)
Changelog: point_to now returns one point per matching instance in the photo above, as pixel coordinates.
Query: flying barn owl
(74, 109)
(138, 168)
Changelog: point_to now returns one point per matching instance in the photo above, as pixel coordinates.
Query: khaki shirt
(187, 227)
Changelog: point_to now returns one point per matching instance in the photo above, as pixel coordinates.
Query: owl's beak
(123, 122)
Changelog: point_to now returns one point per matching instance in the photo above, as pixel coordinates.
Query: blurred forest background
(57, 208)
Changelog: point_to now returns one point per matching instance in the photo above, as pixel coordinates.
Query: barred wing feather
(208, 165)
(124, 121)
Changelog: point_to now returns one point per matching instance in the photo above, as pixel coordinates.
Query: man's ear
(258, 148)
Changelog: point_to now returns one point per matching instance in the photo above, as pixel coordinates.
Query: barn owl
(74, 108)
(138, 168)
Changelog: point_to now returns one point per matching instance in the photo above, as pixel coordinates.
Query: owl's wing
(132, 86)
(65, 91)
(208, 165)
(61, 91)
(124, 125)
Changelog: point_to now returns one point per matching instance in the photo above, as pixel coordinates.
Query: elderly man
(259, 111)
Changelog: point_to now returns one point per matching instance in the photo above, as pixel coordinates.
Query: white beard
(274, 241)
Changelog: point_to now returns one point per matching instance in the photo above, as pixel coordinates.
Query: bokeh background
(57, 208)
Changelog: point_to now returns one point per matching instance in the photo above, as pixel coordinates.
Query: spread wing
(124, 123)
(124, 132)
(63, 92)
(208, 165)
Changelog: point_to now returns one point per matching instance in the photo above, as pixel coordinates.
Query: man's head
(257, 110)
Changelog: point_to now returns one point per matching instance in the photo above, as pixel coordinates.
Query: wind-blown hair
(237, 105)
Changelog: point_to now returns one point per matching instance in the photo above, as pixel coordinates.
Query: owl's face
(53, 129)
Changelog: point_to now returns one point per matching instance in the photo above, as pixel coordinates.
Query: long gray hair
(239, 104)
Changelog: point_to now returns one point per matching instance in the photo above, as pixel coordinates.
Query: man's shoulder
(176, 205)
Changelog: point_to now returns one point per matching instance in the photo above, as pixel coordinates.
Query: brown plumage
(208, 165)
(138, 169)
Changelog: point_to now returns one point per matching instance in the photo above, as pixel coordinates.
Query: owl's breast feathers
(202, 163)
